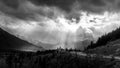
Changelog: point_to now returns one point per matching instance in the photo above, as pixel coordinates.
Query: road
(94, 55)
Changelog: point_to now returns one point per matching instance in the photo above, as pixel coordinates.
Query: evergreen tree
(103, 40)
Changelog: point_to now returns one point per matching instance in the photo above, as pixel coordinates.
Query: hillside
(108, 44)
(8, 41)
(105, 39)
(112, 48)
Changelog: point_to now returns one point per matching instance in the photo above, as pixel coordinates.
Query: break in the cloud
(59, 23)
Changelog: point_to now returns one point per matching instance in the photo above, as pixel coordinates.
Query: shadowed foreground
(54, 59)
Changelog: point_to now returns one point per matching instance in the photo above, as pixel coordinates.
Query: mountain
(9, 41)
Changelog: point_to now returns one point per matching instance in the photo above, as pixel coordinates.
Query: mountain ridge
(9, 41)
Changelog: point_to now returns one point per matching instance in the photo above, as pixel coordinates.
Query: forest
(107, 38)
(59, 58)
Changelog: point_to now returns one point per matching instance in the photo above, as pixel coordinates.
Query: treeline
(103, 40)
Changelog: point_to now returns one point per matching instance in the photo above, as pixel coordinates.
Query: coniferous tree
(103, 40)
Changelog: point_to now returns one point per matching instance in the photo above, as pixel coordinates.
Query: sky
(59, 23)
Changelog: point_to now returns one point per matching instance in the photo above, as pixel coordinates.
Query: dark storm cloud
(91, 5)
(96, 6)
(63, 4)
(67, 4)
(12, 8)
(23, 9)
(13, 4)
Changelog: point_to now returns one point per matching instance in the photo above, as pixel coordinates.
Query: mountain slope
(8, 41)
(112, 48)
(108, 44)
(105, 39)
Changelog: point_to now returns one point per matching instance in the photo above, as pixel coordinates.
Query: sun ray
(61, 31)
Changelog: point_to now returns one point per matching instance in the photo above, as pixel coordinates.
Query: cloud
(27, 10)
(53, 22)
(31, 9)
(68, 5)
(62, 4)
(95, 6)
(13, 4)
